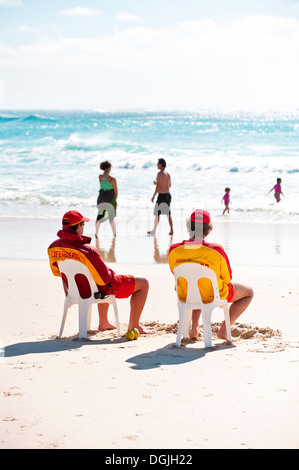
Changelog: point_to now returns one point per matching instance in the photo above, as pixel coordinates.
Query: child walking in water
(226, 200)
(277, 190)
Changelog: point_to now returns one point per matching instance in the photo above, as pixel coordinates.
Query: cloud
(27, 29)
(124, 17)
(80, 11)
(7, 51)
(11, 3)
(249, 61)
(197, 44)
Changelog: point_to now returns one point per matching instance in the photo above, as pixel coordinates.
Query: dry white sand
(109, 393)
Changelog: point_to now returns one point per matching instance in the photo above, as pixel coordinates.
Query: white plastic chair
(192, 272)
(70, 268)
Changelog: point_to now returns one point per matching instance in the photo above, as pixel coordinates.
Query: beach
(211, 89)
(110, 393)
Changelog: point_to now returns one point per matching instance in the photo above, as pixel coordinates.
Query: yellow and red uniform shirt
(72, 246)
(211, 255)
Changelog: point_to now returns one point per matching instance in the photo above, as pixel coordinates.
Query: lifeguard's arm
(225, 272)
(54, 266)
(172, 257)
(100, 272)
(225, 267)
(171, 261)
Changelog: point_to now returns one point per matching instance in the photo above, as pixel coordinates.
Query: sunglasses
(82, 223)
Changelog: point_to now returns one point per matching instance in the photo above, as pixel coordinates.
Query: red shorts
(231, 292)
(123, 286)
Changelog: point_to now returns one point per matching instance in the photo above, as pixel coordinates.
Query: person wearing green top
(107, 197)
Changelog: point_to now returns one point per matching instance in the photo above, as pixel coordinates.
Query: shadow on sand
(55, 345)
(171, 355)
(167, 355)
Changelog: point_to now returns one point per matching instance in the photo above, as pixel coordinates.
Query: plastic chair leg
(116, 317)
(187, 323)
(207, 329)
(65, 310)
(83, 319)
(89, 317)
(181, 308)
(227, 321)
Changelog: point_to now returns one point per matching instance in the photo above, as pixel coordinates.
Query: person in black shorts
(162, 206)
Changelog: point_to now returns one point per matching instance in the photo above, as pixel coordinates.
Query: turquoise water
(50, 161)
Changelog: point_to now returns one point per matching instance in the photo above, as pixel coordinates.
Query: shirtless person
(162, 206)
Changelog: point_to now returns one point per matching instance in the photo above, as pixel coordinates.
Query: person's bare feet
(224, 337)
(141, 330)
(106, 326)
(193, 333)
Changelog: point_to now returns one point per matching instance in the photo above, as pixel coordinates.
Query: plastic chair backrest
(80, 283)
(193, 272)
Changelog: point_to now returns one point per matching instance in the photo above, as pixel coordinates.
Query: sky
(157, 54)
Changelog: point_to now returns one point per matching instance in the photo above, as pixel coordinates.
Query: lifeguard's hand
(153, 198)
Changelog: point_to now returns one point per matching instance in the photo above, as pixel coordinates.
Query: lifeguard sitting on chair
(72, 244)
(213, 256)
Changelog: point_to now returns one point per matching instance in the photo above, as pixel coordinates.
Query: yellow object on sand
(136, 333)
(130, 335)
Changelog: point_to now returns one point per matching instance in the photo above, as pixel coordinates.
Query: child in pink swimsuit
(277, 190)
(226, 200)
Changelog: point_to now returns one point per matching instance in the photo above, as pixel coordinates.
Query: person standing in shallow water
(226, 200)
(162, 206)
(277, 190)
(107, 197)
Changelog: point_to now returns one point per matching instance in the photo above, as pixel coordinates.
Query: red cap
(200, 216)
(73, 218)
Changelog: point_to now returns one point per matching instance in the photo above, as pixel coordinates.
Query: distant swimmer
(162, 206)
(277, 190)
(226, 200)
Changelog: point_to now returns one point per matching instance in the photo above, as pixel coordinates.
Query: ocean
(50, 163)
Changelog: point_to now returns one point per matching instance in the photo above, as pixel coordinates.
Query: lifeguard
(212, 255)
(73, 244)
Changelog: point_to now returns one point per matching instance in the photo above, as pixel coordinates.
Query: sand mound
(240, 331)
